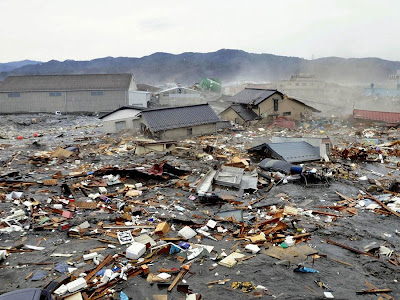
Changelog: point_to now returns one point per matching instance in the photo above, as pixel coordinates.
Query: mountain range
(226, 64)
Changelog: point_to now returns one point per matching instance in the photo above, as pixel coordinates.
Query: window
(287, 113)
(276, 106)
(55, 94)
(189, 131)
(327, 147)
(237, 120)
(14, 95)
(97, 93)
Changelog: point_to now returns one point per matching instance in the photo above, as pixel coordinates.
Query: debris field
(88, 215)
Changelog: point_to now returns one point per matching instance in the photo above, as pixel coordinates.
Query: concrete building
(125, 117)
(179, 122)
(252, 104)
(66, 93)
(179, 96)
(305, 85)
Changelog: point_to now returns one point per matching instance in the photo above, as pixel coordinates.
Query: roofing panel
(244, 112)
(292, 152)
(249, 95)
(388, 117)
(122, 108)
(295, 151)
(66, 82)
(178, 117)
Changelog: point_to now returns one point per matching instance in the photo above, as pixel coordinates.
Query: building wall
(76, 101)
(180, 96)
(139, 98)
(178, 133)
(285, 105)
(230, 115)
(130, 123)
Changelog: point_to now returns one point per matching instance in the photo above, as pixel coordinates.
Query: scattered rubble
(86, 215)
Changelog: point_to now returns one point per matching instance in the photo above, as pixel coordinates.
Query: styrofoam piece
(211, 224)
(76, 285)
(61, 290)
(89, 256)
(3, 254)
(125, 237)
(253, 248)
(187, 232)
(230, 260)
(328, 295)
(135, 250)
(164, 275)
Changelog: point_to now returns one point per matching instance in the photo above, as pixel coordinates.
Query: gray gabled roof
(178, 117)
(292, 152)
(244, 112)
(254, 96)
(85, 82)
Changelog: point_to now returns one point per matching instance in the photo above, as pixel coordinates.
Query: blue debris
(61, 267)
(123, 296)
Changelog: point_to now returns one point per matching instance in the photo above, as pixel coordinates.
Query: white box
(187, 232)
(135, 250)
(76, 285)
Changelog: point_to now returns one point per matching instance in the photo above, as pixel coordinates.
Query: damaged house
(67, 93)
(179, 122)
(253, 105)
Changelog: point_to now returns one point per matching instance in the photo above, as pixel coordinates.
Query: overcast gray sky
(87, 29)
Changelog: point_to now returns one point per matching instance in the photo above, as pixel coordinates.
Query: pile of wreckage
(206, 207)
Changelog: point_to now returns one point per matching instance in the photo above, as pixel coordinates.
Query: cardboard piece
(162, 228)
(295, 254)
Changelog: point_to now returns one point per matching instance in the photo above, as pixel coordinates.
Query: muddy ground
(343, 271)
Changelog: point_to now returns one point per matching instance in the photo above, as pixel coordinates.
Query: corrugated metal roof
(178, 117)
(249, 95)
(388, 117)
(244, 112)
(66, 82)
